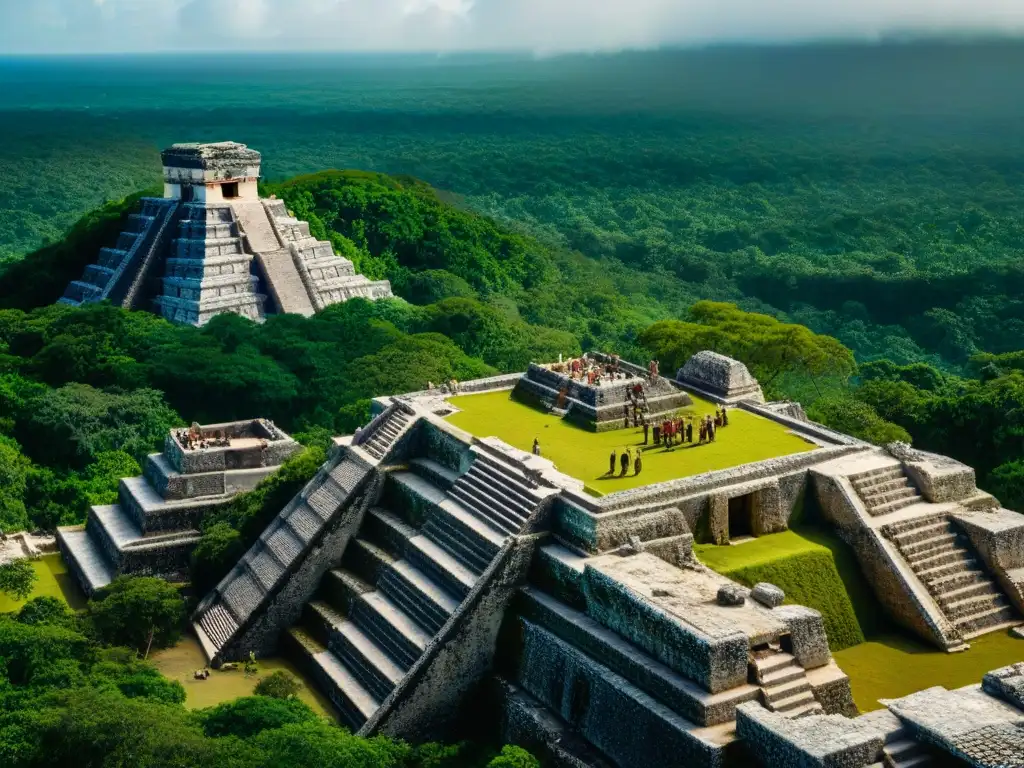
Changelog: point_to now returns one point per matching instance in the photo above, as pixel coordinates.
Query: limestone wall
(459, 657)
(998, 537)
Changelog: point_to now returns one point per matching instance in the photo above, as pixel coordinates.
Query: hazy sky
(41, 26)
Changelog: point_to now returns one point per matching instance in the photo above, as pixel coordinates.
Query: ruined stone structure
(153, 528)
(424, 568)
(979, 725)
(211, 245)
(722, 378)
(603, 406)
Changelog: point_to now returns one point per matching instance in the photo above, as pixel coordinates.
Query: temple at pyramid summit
(212, 245)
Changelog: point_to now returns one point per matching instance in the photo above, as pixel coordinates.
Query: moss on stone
(806, 571)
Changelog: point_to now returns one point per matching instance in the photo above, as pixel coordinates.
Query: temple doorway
(230, 190)
(741, 516)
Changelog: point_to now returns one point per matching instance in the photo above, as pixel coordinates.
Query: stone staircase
(284, 282)
(905, 752)
(237, 602)
(382, 433)
(784, 685)
(209, 270)
(885, 490)
(496, 492)
(99, 280)
(328, 277)
(416, 558)
(942, 559)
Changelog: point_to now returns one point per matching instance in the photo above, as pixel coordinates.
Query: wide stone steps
(493, 514)
(87, 556)
(938, 555)
(938, 542)
(390, 627)
(463, 535)
(784, 685)
(986, 620)
(375, 670)
(872, 477)
(354, 702)
(488, 491)
(441, 566)
(894, 506)
(921, 533)
(420, 596)
(882, 499)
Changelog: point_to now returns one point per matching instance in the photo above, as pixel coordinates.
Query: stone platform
(154, 527)
(606, 405)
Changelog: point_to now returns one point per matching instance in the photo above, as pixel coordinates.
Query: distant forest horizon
(870, 192)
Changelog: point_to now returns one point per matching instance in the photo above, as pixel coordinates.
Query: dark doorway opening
(230, 190)
(741, 513)
(188, 194)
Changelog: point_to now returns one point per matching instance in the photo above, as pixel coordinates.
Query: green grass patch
(895, 665)
(584, 455)
(805, 570)
(53, 580)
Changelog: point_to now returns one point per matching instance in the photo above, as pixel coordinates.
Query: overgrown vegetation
(66, 699)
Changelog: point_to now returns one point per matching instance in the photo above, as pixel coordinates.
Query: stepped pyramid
(154, 527)
(211, 245)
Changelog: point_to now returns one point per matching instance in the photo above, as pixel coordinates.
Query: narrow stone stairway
(496, 493)
(383, 435)
(905, 752)
(942, 558)
(784, 685)
(415, 558)
(885, 490)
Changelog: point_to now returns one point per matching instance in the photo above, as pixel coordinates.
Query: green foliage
(72, 425)
(279, 685)
(856, 418)
(231, 529)
(1006, 483)
(17, 577)
(14, 473)
(768, 347)
(46, 610)
(251, 715)
(141, 613)
(514, 757)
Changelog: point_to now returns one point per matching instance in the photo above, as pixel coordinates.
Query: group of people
(193, 438)
(450, 387)
(678, 431)
(625, 460)
(593, 373)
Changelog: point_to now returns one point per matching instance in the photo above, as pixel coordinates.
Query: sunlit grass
(54, 581)
(584, 455)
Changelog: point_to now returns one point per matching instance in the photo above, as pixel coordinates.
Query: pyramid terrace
(438, 570)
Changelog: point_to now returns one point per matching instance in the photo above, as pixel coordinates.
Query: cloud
(446, 25)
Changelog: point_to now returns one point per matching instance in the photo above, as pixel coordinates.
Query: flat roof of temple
(209, 156)
(585, 455)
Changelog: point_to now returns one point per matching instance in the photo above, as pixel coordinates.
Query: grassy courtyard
(584, 455)
(815, 568)
(53, 581)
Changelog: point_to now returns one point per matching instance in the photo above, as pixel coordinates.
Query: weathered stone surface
(939, 478)
(810, 742)
(1018, 632)
(732, 594)
(768, 594)
(720, 376)
(1006, 683)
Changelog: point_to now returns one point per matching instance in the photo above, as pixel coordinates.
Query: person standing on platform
(637, 465)
(536, 447)
(611, 463)
(624, 462)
